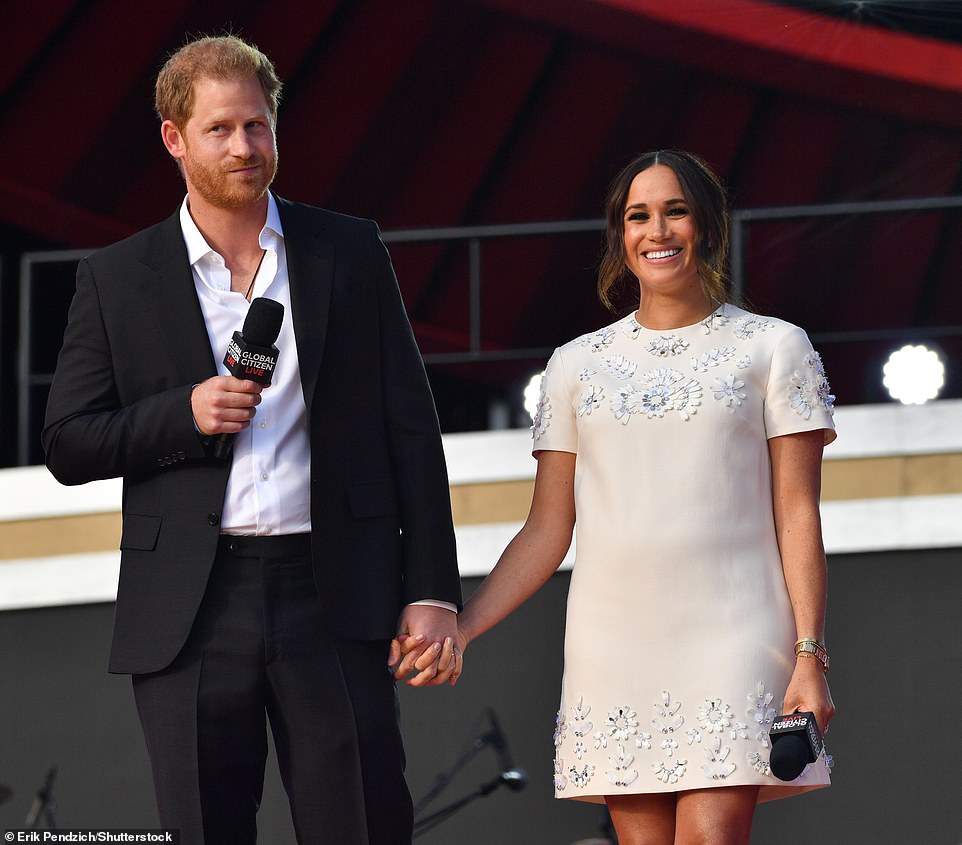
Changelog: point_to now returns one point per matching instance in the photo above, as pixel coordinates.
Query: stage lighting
(914, 375)
(532, 393)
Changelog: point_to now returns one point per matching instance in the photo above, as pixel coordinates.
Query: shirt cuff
(435, 603)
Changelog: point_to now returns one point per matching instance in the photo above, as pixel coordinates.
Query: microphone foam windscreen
(789, 756)
(263, 323)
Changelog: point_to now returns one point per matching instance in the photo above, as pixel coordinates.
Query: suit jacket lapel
(169, 287)
(310, 267)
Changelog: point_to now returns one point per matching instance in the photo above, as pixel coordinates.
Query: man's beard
(223, 190)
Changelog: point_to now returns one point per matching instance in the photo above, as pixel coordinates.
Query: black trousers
(260, 652)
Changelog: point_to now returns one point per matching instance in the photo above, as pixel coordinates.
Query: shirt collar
(197, 246)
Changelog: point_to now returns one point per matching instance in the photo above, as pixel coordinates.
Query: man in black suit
(270, 583)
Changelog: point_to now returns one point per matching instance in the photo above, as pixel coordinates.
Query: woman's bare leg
(721, 816)
(643, 819)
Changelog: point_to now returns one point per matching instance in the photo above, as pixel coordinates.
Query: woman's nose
(658, 227)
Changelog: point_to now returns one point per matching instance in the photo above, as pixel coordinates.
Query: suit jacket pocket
(140, 532)
(371, 498)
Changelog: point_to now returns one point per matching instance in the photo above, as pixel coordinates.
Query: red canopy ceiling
(431, 113)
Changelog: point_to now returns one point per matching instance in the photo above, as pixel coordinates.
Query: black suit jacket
(119, 405)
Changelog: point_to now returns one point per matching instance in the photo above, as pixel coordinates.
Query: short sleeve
(798, 396)
(555, 428)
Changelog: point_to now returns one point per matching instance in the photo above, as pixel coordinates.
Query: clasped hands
(428, 650)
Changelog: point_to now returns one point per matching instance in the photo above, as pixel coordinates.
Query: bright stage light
(914, 375)
(532, 393)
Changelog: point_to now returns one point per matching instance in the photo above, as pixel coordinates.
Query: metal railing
(475, 236)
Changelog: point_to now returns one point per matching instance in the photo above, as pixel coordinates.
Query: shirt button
(213, 519)
(263, 476)
(263, 425)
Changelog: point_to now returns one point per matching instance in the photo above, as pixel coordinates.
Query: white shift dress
(680, 635)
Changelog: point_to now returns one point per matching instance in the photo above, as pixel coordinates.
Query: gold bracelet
(813, 648)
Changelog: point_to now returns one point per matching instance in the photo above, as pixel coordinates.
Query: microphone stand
(509, 778)
(43, 804)
(433, 820)
(445, 778)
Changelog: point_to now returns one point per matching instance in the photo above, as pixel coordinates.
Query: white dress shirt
(268, 490)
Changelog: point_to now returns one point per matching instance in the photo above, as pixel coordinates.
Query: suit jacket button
(213, 519)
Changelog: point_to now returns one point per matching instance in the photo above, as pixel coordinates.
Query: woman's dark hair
(708, 205)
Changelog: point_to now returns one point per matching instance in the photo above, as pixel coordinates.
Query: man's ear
(173, 139)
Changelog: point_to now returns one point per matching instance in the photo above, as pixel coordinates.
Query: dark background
(461, 113)
(895, 633)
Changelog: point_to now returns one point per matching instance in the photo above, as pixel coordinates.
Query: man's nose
(240, 144)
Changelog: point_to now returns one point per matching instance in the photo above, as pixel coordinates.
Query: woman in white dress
(686, 438)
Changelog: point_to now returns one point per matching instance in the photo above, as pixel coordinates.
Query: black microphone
(514, 779)
(796, 742)
(251, 354)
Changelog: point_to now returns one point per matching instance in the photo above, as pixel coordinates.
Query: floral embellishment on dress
(668, 745)
(747, 326)
(715, 716)
(759, 764)
(715, 320)
(581, 777)
(621, 773)
(599, 339)
(744, 362)
(729, 392)
(542, 414)
(591, 400)
(718, 767)
(810, 388)
(660, 391)
(670, 774)
(584, 374)
(580, 749)
(622, 723)
(560, 781)
(643, 740)
(694, 735)
(580, 726)
(632, 327)
(560, 728)
(761, 713)
(601, 739)
(618, 366)
(667, 345)
(716, 356)
(738, 730)
(668, 719)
